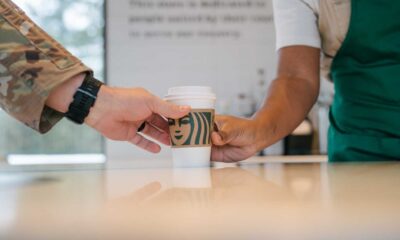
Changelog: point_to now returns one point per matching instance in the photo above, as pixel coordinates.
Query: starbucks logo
(193, 130)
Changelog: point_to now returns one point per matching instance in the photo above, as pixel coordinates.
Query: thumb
(222, 134)
(169, 110)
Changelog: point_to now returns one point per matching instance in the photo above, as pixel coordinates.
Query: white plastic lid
(190, 92)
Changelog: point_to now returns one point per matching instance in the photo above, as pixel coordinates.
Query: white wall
(229, 63)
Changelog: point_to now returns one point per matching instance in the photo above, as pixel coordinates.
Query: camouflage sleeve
(31, 65)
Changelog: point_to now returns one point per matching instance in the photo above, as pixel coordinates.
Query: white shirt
(296, 23)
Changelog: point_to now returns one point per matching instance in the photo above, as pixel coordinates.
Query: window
(79, 26)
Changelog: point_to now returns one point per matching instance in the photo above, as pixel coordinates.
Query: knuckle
(219, 119)
(135, 139)
(141, 89)
(150, 101)
(130, 134)
(141, 142)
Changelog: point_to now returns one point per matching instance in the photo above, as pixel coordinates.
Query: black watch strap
(84, 99)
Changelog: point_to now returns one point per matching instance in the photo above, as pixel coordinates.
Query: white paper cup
(191, 135)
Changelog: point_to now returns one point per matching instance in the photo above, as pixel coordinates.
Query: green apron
(365, 114)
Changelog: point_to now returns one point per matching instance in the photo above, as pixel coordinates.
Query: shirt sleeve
(32, 64)
(296, 23)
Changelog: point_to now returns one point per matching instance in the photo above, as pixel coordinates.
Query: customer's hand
(118, 113)
(236, 139)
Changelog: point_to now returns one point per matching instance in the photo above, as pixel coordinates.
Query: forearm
(34, 66)
(288, 102)
(291, 95)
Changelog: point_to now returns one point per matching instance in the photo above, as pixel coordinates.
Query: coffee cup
(191, 135)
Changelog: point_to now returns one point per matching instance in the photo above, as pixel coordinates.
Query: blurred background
(157, 44)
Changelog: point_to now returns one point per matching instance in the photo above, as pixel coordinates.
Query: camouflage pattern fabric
(32, 64)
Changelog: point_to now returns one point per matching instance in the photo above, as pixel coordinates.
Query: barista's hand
(236, 139)
(118, 113)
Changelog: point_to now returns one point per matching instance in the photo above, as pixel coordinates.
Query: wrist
(264, 131)
(101, 107)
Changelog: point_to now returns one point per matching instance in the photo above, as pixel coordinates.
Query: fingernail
(184, 108)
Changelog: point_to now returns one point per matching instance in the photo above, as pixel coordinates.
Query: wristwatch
(84, 99)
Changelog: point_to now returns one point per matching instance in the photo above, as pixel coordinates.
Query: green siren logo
(193, 130)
